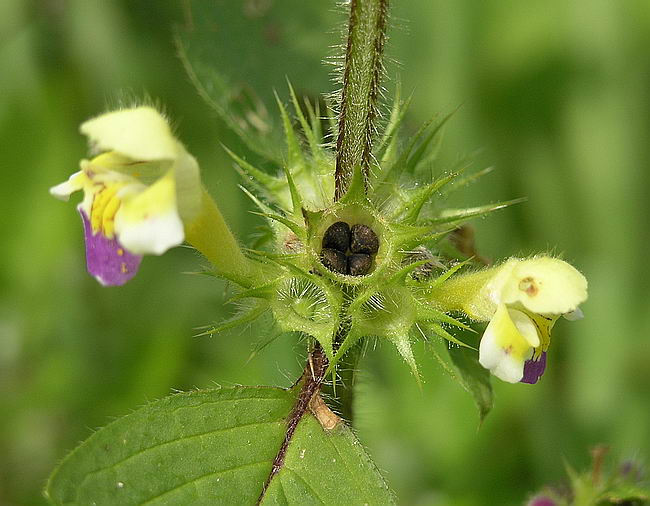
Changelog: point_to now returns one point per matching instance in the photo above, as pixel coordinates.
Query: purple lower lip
(106, 259)
(533, 369)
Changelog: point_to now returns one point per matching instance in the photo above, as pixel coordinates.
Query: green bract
(397, 201)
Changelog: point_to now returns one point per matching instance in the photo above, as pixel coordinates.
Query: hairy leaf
(217, 447)
(322, 468)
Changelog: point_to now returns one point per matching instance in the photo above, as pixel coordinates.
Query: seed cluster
(349, 250)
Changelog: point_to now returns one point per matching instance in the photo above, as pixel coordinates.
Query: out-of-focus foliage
(604, 483)
(556, 94)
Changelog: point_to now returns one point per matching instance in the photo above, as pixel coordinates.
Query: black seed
(359, 264)
(334, 260)
(363, 240)
(337, 236)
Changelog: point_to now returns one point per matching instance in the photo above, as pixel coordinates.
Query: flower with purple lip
(527, 297)
(139, 191)
(521, 299)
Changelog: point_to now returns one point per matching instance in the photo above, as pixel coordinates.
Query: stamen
(104, 207)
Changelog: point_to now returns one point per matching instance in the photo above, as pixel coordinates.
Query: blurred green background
(556, 95)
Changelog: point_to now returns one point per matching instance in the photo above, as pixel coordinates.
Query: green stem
(358, 113)
(341, 395)
(361, 77)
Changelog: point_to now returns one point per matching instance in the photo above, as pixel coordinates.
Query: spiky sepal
(392, 299)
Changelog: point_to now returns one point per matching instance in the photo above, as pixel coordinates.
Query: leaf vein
(199, 478)
(305, 483)
(338, 452)
(172, 441)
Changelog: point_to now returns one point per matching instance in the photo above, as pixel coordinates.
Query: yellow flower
(138, 191)
(522, 301)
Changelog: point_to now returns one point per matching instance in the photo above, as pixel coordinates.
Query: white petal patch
(507, 343)
(490, 353)
(148, 220)
(493, 357)
(509, 369)
(154, 235)
(63, 190)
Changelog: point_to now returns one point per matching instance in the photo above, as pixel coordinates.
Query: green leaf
(307, 130)
(459, 215)
(387, 146)
(327, 468)
(418, 155)
(464, 368)
(403, 344)
(217, 447)
(409, 210)
(270, 183)
(246, 316)
(441, 332)
(473, 376)
(295, 159)
(356, 189)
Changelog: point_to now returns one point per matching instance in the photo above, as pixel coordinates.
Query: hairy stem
(361, 78)
(341, 395)
(358, 112)
(311, 379)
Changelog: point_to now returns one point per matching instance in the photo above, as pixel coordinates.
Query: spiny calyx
(364, 263)
(349, 250)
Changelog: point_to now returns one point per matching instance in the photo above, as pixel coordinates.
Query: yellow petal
(140, 145)
(111, 166)
(507, 343)
(141, 133)
(148, 221)
(542, 285)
